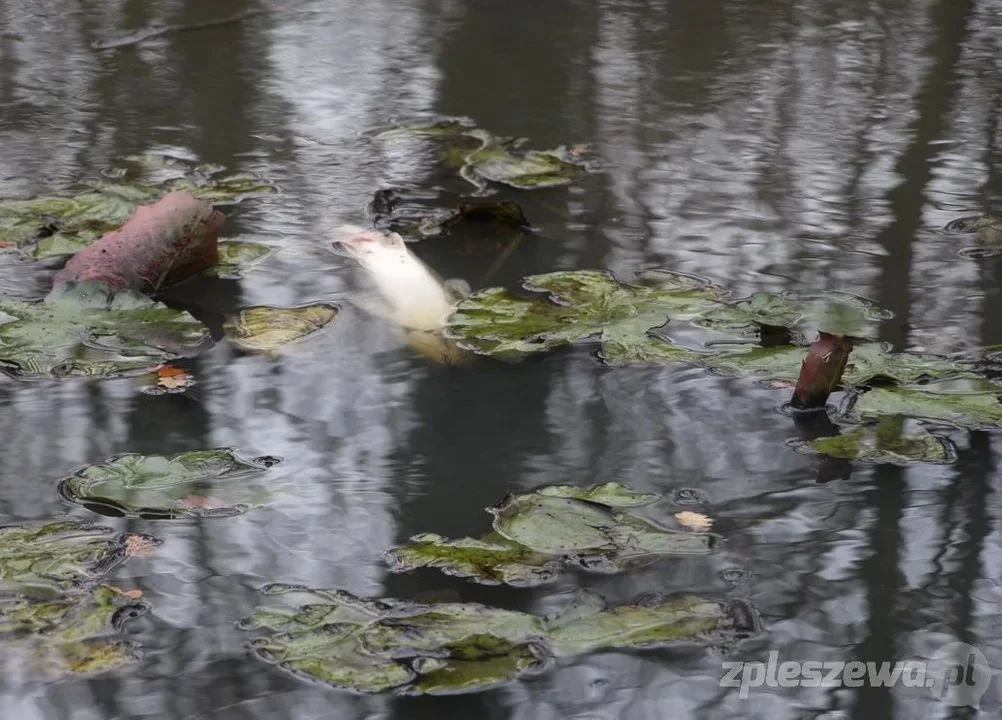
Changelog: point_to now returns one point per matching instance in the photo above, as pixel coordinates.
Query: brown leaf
(140, 545)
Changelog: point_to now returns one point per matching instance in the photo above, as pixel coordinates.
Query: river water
(788, 146)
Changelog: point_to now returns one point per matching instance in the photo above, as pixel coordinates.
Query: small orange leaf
(694, 520)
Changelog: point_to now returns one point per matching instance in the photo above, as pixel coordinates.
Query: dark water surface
(800, 146)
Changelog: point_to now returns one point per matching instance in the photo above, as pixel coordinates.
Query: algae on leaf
(610, 494)
(190, 484)
(888, 441)
(80, 329)
(267, 329)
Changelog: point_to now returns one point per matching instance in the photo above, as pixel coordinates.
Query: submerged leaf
(79, 330)
(159, 487)
(499, 162)
(489, 560)
(889, 441)
(265, 329)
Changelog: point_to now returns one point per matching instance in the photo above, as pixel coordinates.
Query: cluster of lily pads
(764, 336)
(376, 645)
(57, 614)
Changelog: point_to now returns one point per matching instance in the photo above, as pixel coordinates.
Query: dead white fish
(414, 297)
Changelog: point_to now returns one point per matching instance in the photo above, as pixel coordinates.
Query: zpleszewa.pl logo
(957, 674)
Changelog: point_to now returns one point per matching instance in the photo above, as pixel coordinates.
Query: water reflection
(794, 146)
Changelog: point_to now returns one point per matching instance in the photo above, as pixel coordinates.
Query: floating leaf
(52, 226)
(55, 616)
(166, 487)
(588, 625)
(489, 560)
(79, 329)
(868, 363)
(988, 228)
(889, 441)
(445, 647)
(500, 162)
(266, 329)
(56, 555)
(580, 305)
(610, 494)
(974, 409)
(593, 535)
(168, 379)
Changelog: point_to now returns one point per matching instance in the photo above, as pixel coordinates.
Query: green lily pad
(81, 330)
(191, 484)
(56, 617)
(56, 556)
(589, 625)
(411, 648)
(974, 409)
(61, 225)
(579, 305)
(610, 494)
(490, 560)
(595, 536)
(888, 441)
(266, 329)
(500, 162)
(868, 363)
(833, 313)
(415, 648)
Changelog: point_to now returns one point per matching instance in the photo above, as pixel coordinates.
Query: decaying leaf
(267, 329)
(80, 329)
(168, 379)
(167, 487)
(238, 256)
